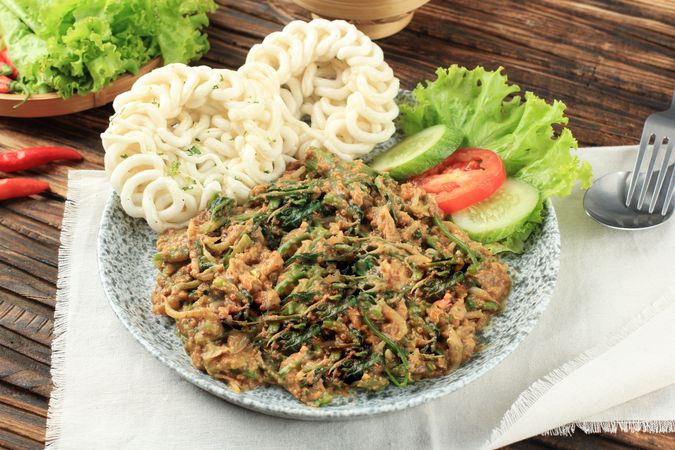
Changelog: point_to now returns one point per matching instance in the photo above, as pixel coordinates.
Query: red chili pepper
(21, 187)
(4, 59)
(5, 84)
(35, 156)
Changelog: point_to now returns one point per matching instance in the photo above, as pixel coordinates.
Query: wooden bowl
(376, 18)
(47, 105)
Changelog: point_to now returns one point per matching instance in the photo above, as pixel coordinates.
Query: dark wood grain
(611, 61)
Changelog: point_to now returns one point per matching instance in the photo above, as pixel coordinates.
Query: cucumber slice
(419, 152)
(501, 214)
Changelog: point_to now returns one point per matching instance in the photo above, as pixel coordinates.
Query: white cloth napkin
(602, 356)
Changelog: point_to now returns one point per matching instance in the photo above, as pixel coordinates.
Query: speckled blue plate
(125, 250)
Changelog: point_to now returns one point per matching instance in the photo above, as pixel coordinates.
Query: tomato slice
(466, 177)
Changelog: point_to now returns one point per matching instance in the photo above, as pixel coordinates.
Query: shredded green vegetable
(331, 278)
(392, 345)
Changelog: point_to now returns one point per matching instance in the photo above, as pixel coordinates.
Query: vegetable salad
(80, 46)
(489, 114)
(329, 279)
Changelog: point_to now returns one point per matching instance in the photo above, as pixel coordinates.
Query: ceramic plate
(125, 250)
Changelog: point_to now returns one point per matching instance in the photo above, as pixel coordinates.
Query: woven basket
(376, 18)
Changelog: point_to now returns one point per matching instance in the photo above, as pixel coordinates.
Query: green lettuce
(80, 46)
(26, 43)
(485, 107)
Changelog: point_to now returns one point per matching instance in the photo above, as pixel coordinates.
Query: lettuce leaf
(80, 46)
(485, 107)
(12, 29)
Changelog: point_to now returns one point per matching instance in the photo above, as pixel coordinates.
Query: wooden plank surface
(611, 61)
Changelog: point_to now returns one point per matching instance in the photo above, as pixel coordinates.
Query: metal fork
(660, 126)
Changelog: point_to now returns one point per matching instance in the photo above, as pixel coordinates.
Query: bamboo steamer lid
(376, 18)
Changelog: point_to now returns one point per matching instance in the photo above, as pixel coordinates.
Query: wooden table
(611, 61)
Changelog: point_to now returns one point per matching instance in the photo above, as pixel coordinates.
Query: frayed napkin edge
(61, 313)
(615, 426)
(540, 387)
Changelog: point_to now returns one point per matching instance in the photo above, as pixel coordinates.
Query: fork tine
(644, 140)
(662, 175)
(669, 194)
(650, 171)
